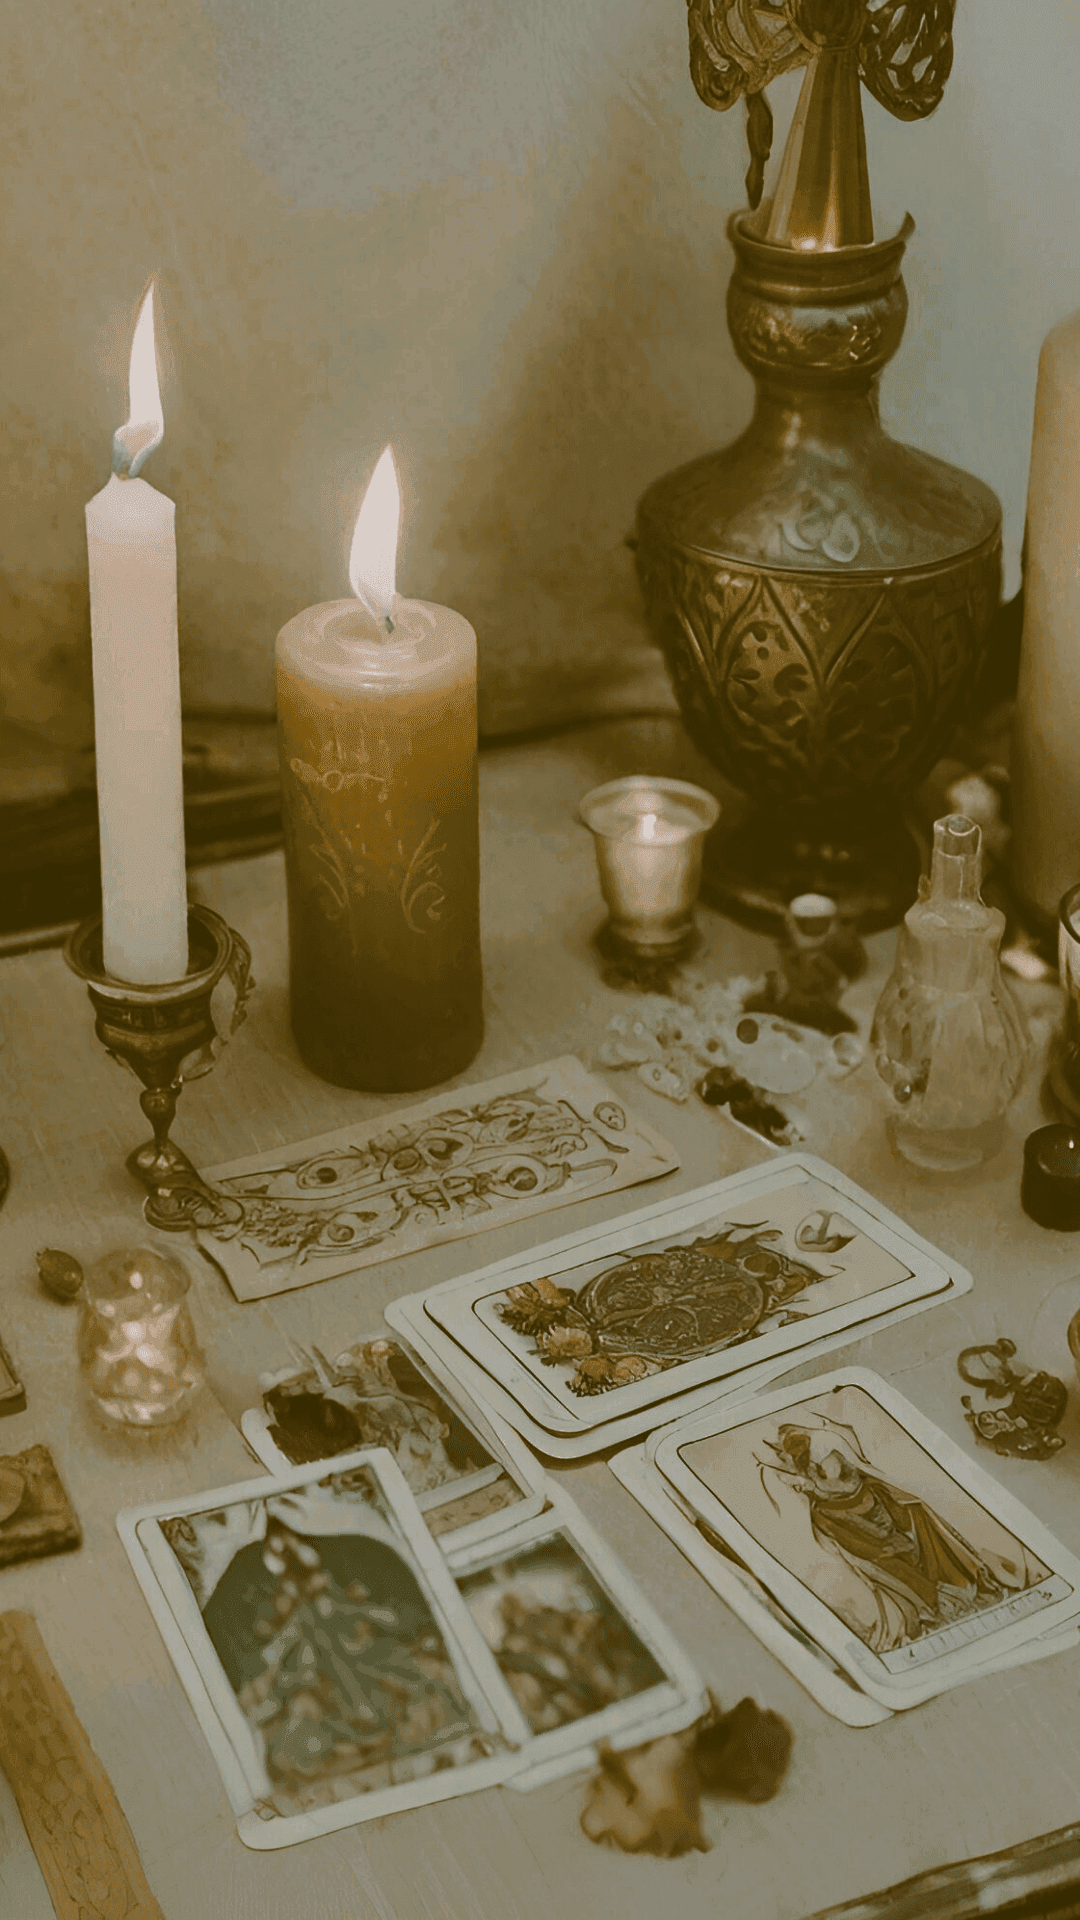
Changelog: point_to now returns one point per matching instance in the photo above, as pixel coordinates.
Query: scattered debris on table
(648, 1800)
(699, 1038)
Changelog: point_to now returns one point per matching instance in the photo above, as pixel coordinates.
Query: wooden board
(75, 1823)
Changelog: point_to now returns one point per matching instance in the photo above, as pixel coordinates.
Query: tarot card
(458, 1371)
(334, 1668)
(470, 1474)
(828, 1684)
(892, 1549)
(475, 1158)
(698, 1289)
(584, 1655)
(12, 1391)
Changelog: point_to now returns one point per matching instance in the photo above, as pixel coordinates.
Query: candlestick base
(167, 1034)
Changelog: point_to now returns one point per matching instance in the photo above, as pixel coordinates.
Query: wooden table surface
(983, 1767)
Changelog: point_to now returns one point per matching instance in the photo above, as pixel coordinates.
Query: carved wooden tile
(36, 1516)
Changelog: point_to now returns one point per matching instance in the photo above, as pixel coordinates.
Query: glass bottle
(948, 1039)
(378, 750)
(137, 1345)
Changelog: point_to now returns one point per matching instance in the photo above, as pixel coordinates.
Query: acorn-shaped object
(60, 1273)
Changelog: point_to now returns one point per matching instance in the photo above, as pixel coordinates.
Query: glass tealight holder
(649, 835)
(137, 1345)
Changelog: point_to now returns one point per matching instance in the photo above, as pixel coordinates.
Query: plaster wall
(490, 233)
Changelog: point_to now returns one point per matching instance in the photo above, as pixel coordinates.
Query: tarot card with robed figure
(468, 1470)
(748, 1271)
(899, 1556)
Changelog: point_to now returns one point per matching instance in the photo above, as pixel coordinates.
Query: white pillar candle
(1045, 855)
(131, 544)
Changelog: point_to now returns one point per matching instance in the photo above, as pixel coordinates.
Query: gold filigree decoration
(739, 47)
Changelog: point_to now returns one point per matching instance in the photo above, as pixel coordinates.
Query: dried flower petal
(647, 1800)
(744, 1752)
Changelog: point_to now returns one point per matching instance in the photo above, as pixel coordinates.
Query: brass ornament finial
(900, 50)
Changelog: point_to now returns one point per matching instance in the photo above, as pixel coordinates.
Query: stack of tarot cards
(864, 1548)
(401, 1622)
(607, 1334)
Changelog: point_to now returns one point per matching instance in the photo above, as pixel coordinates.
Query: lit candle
(131, 545)
(649, 836)
(1045, 851)
(376, 700)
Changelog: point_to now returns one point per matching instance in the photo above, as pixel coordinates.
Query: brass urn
(821, 592)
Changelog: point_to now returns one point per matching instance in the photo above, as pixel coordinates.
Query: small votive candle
(649, 835)
(137, 1344)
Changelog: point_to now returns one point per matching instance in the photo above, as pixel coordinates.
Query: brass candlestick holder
(166, 1034)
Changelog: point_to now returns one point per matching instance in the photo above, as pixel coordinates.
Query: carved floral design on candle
(377, 728)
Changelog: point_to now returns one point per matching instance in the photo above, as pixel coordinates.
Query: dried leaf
(60, 1274)
(744, 1752)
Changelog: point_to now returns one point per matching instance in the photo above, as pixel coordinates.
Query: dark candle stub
(1050, 1188)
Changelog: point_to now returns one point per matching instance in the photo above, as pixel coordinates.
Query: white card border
(470, 1651)
(451, 1304)
(679, 1699)
(451, 1364)
(834, 1692)
(648, 1139)
(816, 1617)
(507, 1449)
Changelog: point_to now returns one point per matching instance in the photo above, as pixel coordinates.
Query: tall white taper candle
(131, 544)
(1045, 855)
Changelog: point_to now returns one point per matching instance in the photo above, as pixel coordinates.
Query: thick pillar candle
(1045, 855)
(376, 701)
(131, 545)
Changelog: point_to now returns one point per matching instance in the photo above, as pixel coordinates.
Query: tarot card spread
(339, 1674)
(897, 1554)
(324, 1648)
(377, 1394)
(472, 1159)
(755, 1268)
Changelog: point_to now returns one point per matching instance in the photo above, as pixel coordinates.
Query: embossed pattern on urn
(822, 593)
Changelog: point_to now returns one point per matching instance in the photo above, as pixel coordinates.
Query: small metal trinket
(1021, 1430)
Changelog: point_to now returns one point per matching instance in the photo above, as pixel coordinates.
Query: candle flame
(647, 826)
(373, 557)
(144, 428)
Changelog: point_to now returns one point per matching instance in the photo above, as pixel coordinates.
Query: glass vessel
(137, 1345)
(948, 1039)
(648, 835)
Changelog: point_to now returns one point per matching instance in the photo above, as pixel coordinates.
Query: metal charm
(1022, 1429)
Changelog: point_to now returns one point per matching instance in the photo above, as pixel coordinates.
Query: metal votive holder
(166, 1034)
(649, 833)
